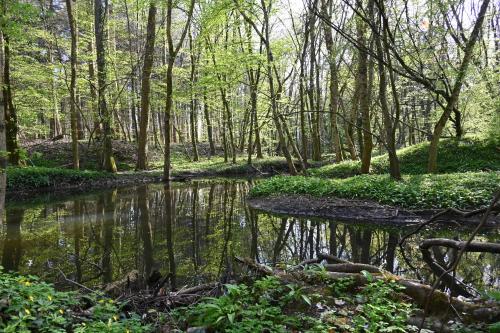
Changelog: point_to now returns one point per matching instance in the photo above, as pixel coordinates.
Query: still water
(192, 231)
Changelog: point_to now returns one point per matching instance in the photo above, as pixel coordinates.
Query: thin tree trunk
(206, 112)
(101, 36)
(3, 144)
(364, 100)
(172, 54)
(72, 14)
(142, 152)
(11, 125)
(133, 71)
(389, 124)
(333, 84)
(193, 104)
(455, 93)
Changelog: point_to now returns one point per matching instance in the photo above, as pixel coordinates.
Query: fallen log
(351, 268)
(128, 282)
(440, 302)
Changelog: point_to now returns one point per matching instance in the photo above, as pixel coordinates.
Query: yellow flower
(61, 311)
(27, 283)
(49, 297)
(127, 331)
(31, 298)
(101, 301)
(27, 311)
(115, 318)
(110, 301)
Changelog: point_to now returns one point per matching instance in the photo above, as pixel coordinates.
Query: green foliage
(453, 156)
(459, 190)
(28, 304)
(272, 306)
(265, 306)
(494, 328)
(381, 313)
(22, 179)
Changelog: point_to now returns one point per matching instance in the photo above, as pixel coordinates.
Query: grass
(29, 178)
(453, 156)
(459, 190)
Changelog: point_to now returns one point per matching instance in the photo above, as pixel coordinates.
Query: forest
(249, 166)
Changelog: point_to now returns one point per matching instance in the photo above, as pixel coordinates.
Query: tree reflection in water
(191, 232)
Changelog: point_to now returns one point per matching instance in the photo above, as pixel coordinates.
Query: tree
(172, 52)
(142, 152)
(71, 9)
(334, 82)
(265, 37)
(452, 99)
(3, 145)
(100, 12)
(11, 123)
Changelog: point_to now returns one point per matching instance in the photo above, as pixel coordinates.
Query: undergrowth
(453, 156)
(30, 305)
(459, 190)
(29, 178)
(269, 305)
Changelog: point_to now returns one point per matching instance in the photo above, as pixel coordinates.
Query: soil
(350, 210)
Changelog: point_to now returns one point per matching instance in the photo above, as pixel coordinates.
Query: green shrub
(453, 156)
(264, 307)
(381, 312)
(30, 305)
(459, 190)
(38, 177)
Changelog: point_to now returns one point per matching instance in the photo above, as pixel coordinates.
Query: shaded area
(191, 231)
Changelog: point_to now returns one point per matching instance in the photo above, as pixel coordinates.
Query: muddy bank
(65, 188)
(350, 210)
(131, 178)
(263, 168)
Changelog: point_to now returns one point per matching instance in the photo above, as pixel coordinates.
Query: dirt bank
(362, 211)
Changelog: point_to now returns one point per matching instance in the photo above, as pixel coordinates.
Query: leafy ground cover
(459, 190)
(454, 156)
(265, 304)
(30, 178)
(271, 305)
(28, 304)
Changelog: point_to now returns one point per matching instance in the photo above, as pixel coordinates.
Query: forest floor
(47, 168)
(356, 211)
(468, 176)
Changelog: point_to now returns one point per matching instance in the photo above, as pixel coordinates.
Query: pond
(192, 231)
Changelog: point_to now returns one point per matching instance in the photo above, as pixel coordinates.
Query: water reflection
(191, 231)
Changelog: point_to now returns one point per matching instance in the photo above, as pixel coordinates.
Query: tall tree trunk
(172, 54)
(364, 99)
(72, 14)
(193, 104)
(3, 145)
(389, 124)
(11, 125)
(333, 84)
(142, 152)
(133, 71)
(457, 86)
(100, 8)
(206, 112)
(93, 90)
(315, 115)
